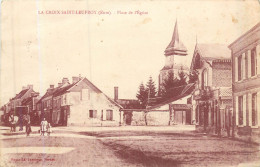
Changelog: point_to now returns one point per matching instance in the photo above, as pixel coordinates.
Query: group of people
(45, 126)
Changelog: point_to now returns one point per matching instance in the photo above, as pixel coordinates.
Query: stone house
(82, 103)
(246, 83)
(212, 97)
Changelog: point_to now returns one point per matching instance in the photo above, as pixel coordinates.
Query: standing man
(11, 121)
(27, 120)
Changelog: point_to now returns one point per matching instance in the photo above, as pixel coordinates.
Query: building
(176, 110)
(212, 97)
(128, 107)
(175, 48)
(82, 103)
(246, 82)
(16, 101)
(30, 103)
(45, 104)
(16, 104)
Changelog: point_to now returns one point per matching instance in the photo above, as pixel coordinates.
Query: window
(239, 67)
(240, 110)
(253, 62)
(109, 115)
(254, 109)
(92, 113)
(204, 79)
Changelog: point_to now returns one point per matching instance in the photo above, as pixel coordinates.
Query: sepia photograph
(148, 83)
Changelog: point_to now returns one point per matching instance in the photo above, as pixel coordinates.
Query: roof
(185, 91)
(213, 51)
(48, 93)
(210, 52)
(27, 100)
(62, 90)
(175, 47)
(257, 26)
(176, 66)
(19, 95)
(99, 91)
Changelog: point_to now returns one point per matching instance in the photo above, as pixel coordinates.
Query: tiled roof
(63, 90)
(185, 91)
(27, 100)
(214, 51)
(19, 95)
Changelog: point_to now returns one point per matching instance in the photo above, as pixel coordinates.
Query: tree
(193, 76)
(150, 87)
(182, 78)
(142, 95)
(168, 85)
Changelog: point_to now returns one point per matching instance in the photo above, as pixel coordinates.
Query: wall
(221, 74)
(79, 110)
(153, 118)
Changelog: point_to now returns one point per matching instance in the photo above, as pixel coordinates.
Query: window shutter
(236, 110)
(243, 66)
(250, 108)
(258, 59)
(244, 110)
(236, 69)
(258, 108)
(249, 63)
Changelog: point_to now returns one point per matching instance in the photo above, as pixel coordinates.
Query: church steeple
(175, 47)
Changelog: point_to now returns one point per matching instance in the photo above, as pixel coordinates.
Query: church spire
(175, 47)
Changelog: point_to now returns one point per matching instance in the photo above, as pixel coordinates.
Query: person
(11, 121)
(43, 126)
(49, 129)
(27, 121)
(15, 122)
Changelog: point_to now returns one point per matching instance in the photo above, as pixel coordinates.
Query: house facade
(16, 101)
(30, 103)
(82, 103)
(246, 82)
(212, 97)
(23, 102)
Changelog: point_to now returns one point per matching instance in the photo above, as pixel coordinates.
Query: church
(175, 48)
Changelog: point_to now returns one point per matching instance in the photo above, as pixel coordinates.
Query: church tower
(175, 48)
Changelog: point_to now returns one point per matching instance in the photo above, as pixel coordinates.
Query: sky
(108, 47)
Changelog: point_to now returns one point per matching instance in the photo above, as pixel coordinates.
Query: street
(66, 147)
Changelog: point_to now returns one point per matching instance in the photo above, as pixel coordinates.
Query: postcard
(130, 83)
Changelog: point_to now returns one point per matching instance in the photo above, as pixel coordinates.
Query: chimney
(65, 80)
(51, 86)
(115, 93)
(59, 84)
(75, 79)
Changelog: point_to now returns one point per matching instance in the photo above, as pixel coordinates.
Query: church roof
(210, 52)
(175, 47)
(214, 51)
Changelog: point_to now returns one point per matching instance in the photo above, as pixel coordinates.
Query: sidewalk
(5, 130)
(175, 128)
